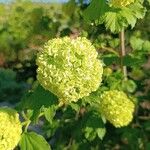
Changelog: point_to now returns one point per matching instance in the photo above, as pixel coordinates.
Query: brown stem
(123, 53)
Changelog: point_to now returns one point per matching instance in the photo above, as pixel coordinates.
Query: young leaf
(50, 113)
(114, 21)
(129, 15)
(117, 18)
(129, 86)
(101, 132)
(33, 141)
(138, 10)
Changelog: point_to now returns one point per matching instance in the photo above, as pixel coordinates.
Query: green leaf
(33, 141)
(89, 133)
(118, 18)
(128, 14)
(94, 126)
(148, 1)
(131, 61)
(38, 98)
(111, 59)
(101, 132)
(138, 9)
(146, 46)
(147, 146)
(50, 113)
(136, 43)
(114, 21)
(75, 106)
(114, 42)
(129, 86)
(96, 9)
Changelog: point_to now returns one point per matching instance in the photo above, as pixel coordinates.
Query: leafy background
(26, 26)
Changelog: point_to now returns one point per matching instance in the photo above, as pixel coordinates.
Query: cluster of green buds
(69, 68)
(120, 3)
(116, 107)
(10, 129)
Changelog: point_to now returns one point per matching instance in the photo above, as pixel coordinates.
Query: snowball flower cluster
(69, 68)
(10, 129)
(117, 108)
(120, 3)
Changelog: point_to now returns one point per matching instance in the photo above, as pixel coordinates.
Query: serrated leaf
(96, 9)
(118, 18)
(129, 16)
(33, 141)
(138, 9)
(113, 21)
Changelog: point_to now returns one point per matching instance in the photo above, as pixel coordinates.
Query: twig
(144, 117)
(110, 50)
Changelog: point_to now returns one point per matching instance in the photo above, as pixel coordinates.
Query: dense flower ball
(117, 108)
(69, 68)
(120, 3)
(10, 129)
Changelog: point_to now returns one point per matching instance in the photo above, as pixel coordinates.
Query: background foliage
(26, 26)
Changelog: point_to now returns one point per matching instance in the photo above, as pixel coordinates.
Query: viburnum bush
(77, 94)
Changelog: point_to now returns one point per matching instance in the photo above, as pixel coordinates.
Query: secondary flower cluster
(69, 68)
(117, 108)
(10, 129)
(120, 3)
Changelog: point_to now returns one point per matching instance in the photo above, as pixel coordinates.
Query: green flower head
(117, 108)
(69, 68)
(120, 3)
(10, 129)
